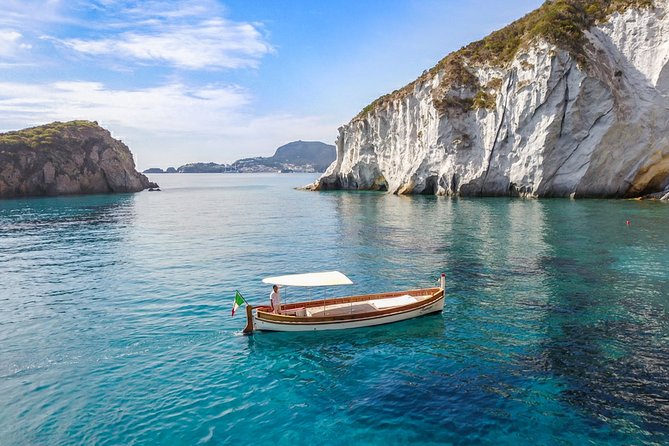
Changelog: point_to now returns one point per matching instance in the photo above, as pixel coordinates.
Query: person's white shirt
(275, 299)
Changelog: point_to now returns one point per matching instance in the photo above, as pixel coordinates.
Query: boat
(342, 312)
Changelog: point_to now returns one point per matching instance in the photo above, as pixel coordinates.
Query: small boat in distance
(342, 312)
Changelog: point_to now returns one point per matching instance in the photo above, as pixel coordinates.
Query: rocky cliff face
(77, 157)
(581, 115)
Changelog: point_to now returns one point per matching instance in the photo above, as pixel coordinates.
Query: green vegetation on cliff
(44, 135)
(560, 22)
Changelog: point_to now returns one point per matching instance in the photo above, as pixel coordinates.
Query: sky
(218, 80)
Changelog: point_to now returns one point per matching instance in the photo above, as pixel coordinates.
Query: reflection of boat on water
(342, 312)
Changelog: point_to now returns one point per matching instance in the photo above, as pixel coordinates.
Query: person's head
(276, 288)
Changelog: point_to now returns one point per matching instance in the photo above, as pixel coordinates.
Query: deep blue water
(115, 322)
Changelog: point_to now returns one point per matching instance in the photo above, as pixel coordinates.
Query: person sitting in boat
(275, 300)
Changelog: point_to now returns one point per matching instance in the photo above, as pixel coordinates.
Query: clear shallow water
(115, 322)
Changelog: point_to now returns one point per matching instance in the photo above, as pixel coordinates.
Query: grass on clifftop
(560, 22)
(44, 134)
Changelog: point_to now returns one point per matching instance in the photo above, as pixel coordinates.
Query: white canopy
(311, 279)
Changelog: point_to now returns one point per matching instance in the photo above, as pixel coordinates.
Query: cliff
(570, 100)
(77, 157)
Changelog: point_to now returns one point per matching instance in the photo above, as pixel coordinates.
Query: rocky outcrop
(77, 157)
(579, 111)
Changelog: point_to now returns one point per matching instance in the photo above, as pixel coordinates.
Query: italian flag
(239, 300)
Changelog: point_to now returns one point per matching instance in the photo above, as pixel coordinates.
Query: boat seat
(382, 304)
(341, 309)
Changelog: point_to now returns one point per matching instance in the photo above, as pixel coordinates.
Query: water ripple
(115, 327)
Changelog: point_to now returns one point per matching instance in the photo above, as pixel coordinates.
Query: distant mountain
(316, 153)
(296, 156)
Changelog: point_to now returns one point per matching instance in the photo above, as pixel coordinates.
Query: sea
(116, 326)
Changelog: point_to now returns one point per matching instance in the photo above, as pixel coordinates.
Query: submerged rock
(578, 106)
(77, 157)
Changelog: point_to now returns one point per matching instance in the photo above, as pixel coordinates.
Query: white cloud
(190, 34)
(165, 8)
(167, 124)
(11, 42)
(32, 15)
(214, 43)
(186, 34)
(167, 108)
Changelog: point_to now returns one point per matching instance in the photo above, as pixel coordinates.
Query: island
(66, 158)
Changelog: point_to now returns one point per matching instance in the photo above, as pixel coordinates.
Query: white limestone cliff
(552, 126)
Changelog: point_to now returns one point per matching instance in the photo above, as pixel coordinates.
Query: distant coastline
(297, 157)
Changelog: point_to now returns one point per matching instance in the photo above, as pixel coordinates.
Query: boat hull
(263, 322)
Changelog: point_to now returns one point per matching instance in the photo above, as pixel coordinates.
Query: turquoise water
(115, 322)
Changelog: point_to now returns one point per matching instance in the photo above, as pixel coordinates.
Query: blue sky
(209, 80)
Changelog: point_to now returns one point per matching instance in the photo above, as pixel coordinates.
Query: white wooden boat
(342, 312)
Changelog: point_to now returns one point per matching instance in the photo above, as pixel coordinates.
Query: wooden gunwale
(435, 294)
(359, 298)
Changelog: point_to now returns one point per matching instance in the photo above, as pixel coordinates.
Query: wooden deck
(350, 306)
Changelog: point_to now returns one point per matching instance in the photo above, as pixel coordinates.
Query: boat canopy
(328, 278)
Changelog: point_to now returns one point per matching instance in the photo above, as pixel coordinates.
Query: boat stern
(249, 320)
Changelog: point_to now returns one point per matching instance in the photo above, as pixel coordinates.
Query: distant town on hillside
(297, 156)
